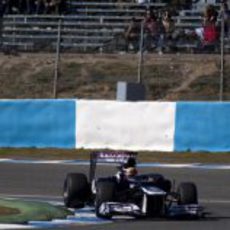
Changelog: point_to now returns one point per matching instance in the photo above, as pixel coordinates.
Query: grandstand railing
(26, 32)
(93, 6)
(118, 4)
(100, 28)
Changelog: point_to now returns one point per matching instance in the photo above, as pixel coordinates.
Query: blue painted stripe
(37, 123)
(202, 126)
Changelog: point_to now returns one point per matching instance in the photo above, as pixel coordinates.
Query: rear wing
(119, 157)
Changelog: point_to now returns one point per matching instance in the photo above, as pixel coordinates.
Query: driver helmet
(130, 163)
(130, 171)
(130, 167)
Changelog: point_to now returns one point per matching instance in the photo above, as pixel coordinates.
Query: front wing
(118, 208)
(193, 210)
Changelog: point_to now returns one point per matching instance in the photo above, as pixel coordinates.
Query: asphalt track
(44, 181)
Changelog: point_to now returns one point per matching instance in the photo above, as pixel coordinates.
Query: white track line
(15, 226)
(154, 165)
(213, 201)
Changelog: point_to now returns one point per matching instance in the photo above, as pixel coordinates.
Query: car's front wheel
(187, 192)
(76, 190)
(105, 192)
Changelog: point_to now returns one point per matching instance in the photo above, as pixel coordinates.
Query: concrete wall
(125, 125)
(94, 124)
(202, 126)
(37, 123)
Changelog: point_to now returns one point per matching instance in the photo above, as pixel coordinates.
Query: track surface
(45, 181)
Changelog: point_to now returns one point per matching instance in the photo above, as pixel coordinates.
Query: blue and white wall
(153, 126)
(37, 123)
(202, 126)
(125, 125)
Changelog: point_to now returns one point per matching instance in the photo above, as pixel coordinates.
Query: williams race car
(128, 193)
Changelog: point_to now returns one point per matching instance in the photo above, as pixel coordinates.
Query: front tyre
(76, 190)
(187, 192)
(105, 193)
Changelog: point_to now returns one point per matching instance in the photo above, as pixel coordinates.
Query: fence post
(57, 59)
(222, 53)
(140, 64)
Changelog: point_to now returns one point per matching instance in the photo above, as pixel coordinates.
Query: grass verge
(16, 211)
(159, 157)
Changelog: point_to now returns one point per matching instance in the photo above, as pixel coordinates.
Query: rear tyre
(76, 190)
(105, 193)
(187, 192)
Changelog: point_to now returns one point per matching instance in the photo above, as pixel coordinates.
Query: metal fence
(86, 33)
(105, 34)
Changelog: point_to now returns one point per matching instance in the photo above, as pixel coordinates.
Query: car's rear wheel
(76, 190)
(105, 193)
(187, 192)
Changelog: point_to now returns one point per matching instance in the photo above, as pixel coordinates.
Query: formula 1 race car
(144, 195)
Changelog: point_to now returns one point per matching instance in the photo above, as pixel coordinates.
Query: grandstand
(88, 26)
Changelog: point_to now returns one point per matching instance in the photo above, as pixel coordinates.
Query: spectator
(48, 6)
(33, 6)
(132, 35)
(53, 6)
(152, 37)
(210, 14)
(169, 34)
(150, 23)
(209, 33)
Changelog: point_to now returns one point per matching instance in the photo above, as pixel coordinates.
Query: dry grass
(6, 211)
(167, 77)
(162, 157)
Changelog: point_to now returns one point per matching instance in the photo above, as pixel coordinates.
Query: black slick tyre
(105, 193)
(187, 192)
(76, 190)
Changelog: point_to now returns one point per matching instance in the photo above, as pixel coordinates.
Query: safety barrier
(125, 125)
(98, 124)
(37, 123)
(202, 126)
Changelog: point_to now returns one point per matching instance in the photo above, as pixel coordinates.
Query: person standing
(132, 35)
(152, 32)
(209, 33)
